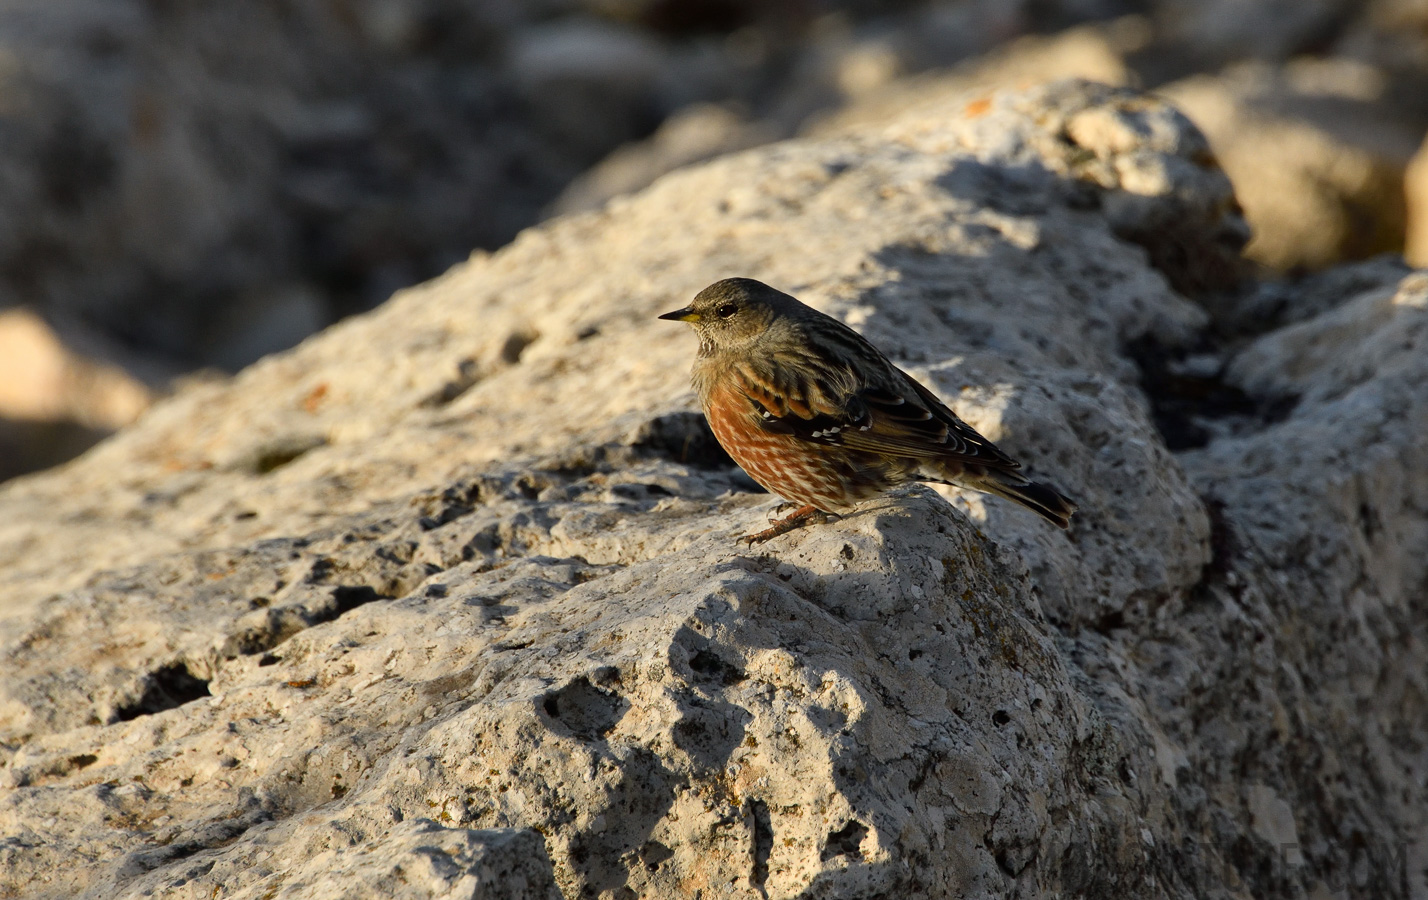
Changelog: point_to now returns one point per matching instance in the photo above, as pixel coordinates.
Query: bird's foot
(804, 515)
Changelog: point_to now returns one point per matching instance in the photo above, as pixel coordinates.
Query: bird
(819, 416)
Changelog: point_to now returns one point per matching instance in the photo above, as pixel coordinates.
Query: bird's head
(734, 314)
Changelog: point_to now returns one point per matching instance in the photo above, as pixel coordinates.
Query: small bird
(817, 415)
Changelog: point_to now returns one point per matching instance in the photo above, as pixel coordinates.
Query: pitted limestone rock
(453, 587)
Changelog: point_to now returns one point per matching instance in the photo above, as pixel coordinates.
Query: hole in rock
(709, 731)
(1124, 770)
(639, 491)
(282, 450)
(351, 596)
(1000, 717)
(1111, 621)
(516, 344)
(708, 666)
(459, 500)
(467, 375)
(530, 485)
(653, 853)
(346, 597)
(167, 688)
(846, 841)
(588, 712)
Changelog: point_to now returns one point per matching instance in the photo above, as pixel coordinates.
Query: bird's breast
(797, 470)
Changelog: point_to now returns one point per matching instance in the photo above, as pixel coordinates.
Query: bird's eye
(725, 311)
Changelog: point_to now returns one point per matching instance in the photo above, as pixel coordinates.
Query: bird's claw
(784, 507)
(803, 515)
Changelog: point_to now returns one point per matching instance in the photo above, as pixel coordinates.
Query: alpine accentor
(815, 414)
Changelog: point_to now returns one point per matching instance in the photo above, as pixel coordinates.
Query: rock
(1349, 442)
(41, 378)
(1415, 191)
(1317, 161)
(452, 588)
(1198, 257)
(55, 403)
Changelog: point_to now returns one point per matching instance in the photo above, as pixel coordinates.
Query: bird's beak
(683, 315)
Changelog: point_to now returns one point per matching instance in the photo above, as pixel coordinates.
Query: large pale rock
(1317, 158)
(447, 602)
(41, 378)
(56, 402)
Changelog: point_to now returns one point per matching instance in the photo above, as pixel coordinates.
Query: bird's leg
(804, 515)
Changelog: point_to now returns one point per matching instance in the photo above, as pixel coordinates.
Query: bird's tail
(1043, 499)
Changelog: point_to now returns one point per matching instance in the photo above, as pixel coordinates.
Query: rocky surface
(446, 601)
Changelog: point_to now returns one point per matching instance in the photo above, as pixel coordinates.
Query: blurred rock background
(187, 187)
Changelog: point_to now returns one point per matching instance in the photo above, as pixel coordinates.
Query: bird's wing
(864, 403)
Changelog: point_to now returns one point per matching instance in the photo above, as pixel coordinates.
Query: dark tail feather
(1056, 507)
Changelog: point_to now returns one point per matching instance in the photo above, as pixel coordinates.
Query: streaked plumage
(815, 414)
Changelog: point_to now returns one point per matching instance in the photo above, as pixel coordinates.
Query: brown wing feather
(921, 427)
(788, 388)
(856, 398)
